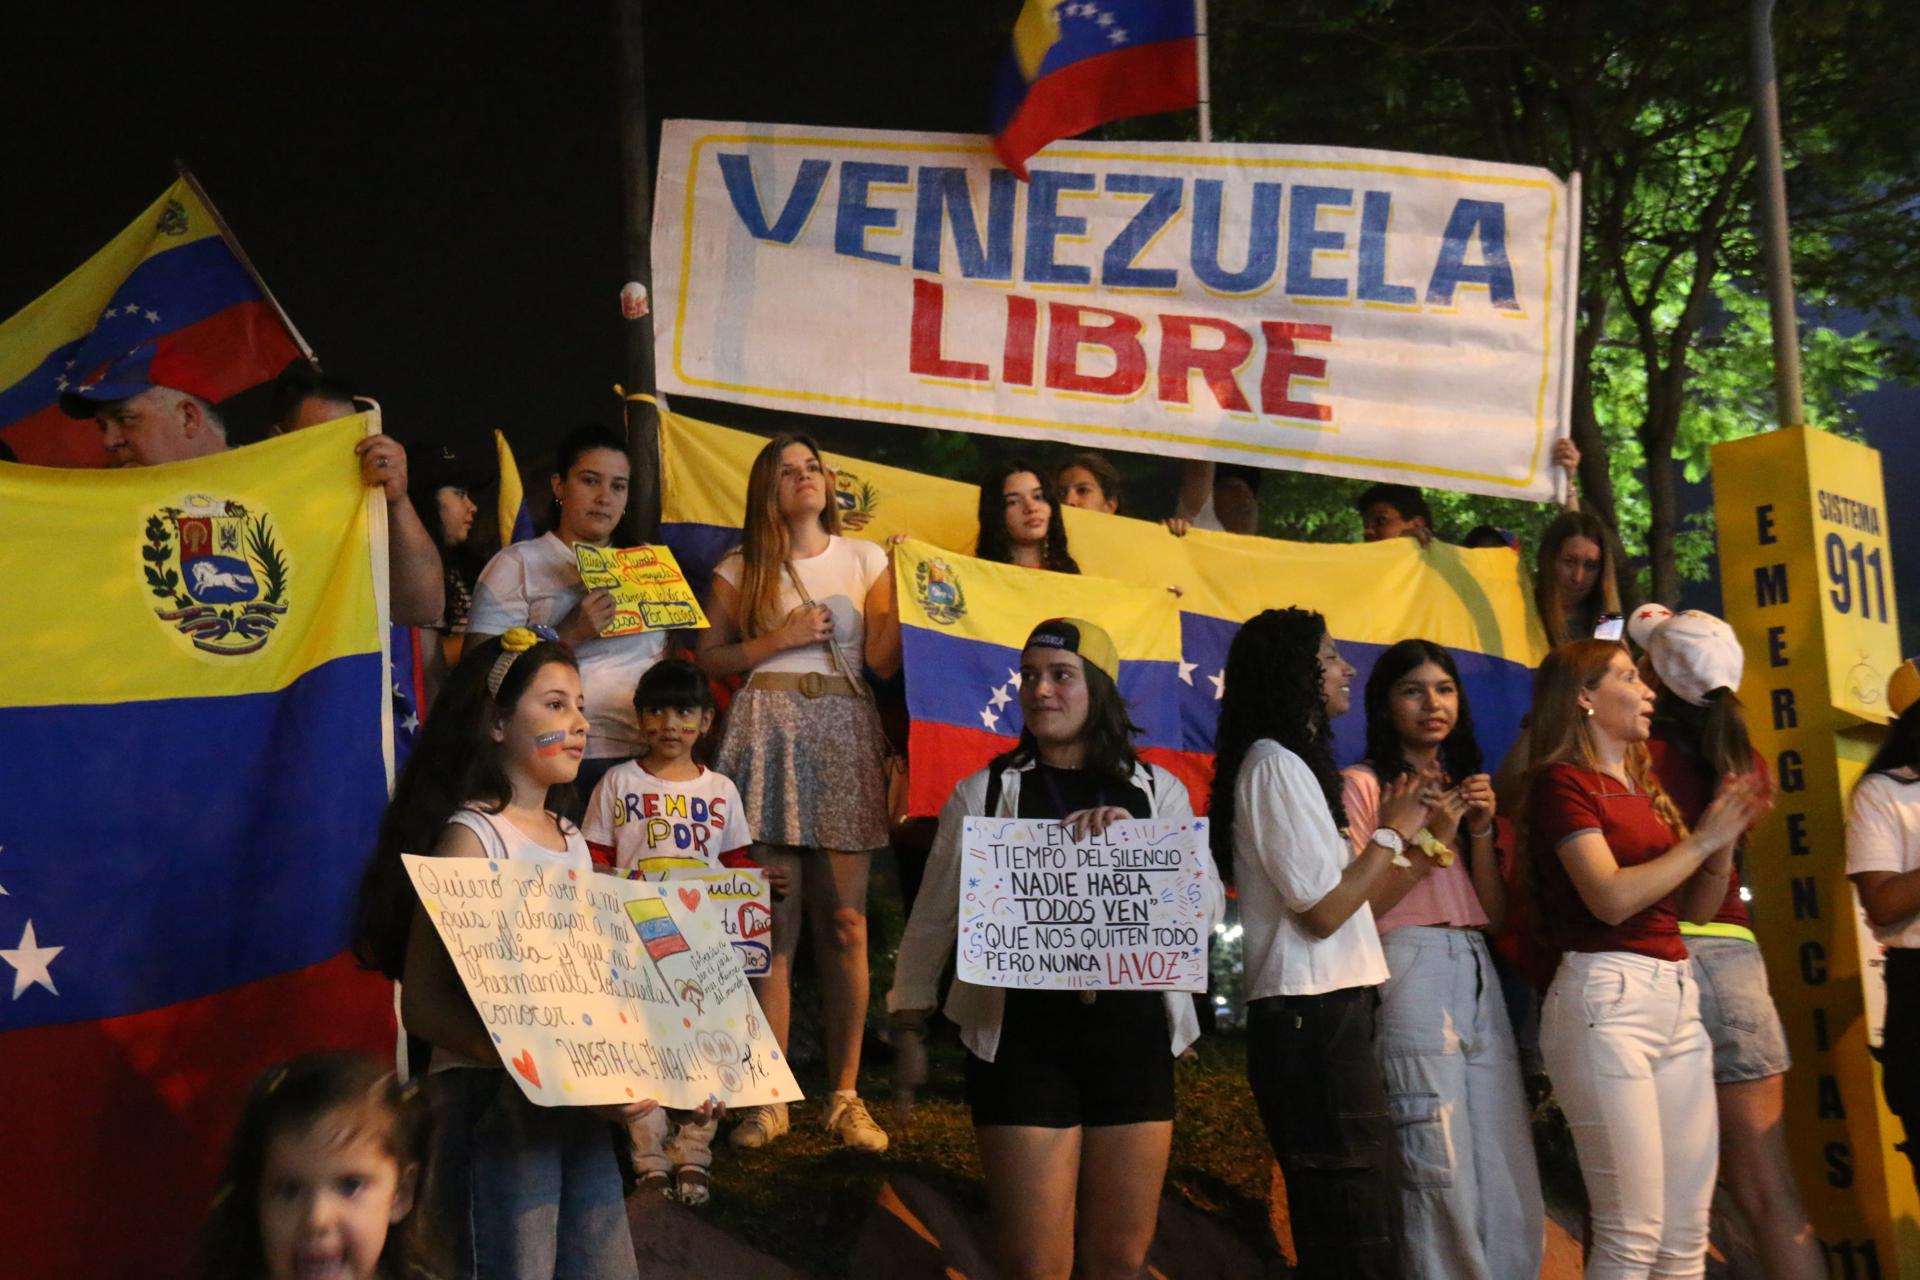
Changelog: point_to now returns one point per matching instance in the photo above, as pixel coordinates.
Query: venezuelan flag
(1477, 603)
(171, 279)
(516, 521)
(194, 719)
(1075, 64)
(962, 624)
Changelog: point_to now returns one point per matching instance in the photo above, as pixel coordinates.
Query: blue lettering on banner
(857, 216)
(1117, 269)
(1263, 237)
(1376, 216)
(1046, 224)
(1305, 236)
(1488, 220)
(737, 172)
(946, 198)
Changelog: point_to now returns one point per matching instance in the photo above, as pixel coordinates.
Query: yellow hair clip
(514, 641)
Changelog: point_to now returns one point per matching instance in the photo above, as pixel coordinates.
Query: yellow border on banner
(1128, 433)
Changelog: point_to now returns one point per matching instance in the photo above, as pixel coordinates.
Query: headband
(515, 642)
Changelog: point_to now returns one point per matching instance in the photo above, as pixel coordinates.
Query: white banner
(1357, 313)
(599, 989)
(1125, 910)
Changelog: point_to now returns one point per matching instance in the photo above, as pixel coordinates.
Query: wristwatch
(1388, 838)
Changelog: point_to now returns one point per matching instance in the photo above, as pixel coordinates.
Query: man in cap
(156, 405)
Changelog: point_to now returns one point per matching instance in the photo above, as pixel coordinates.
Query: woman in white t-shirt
(801, 610)
(1883, 861)
(537, 584)
(1314, 962)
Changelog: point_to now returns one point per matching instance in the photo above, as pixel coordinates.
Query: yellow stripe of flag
(71, 308)
(272, 543)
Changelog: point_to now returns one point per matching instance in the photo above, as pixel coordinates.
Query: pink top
(1444, 896)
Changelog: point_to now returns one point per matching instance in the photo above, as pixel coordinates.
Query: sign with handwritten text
(735, 899)
(1123, 911)
(650, 593)
(597, 989)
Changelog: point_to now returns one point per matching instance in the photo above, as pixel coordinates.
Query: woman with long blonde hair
(803, 612)
(1574, 580)
(1615, 871)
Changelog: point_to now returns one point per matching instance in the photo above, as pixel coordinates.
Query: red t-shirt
(1686, 783)
(1568, 799)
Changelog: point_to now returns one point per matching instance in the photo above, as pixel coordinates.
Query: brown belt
(808, 684)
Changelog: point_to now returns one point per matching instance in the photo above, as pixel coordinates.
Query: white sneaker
(847, 1117)
(760, 1125)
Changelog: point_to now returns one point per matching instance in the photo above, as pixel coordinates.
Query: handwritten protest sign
(598, 989)
(735, 899)
(1122, 911)
(649, 591)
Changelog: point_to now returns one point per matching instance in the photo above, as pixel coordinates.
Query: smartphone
(1611, 626)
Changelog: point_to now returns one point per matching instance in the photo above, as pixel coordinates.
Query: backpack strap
(993, 791)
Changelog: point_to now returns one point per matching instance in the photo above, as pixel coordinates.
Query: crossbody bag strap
(832, 641)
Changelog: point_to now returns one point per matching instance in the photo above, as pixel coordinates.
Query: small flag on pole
(1075, 64)
(516, 521)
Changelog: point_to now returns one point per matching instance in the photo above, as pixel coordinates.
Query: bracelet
(1481, 834)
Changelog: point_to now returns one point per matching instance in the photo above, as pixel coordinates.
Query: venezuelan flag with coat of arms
(1477, 603)
(1075, 64)
(171, 279)
(196, 729)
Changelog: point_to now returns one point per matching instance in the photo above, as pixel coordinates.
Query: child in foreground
(322, 1179)
(652, 817)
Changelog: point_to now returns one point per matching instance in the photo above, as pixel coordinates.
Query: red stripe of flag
(1139, 80)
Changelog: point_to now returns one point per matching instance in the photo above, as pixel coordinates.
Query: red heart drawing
(524, 1065)
(690, 898)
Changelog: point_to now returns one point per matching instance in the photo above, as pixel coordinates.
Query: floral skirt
(811, 771)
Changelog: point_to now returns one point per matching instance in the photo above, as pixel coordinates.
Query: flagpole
(1202, 81)
(246, 263)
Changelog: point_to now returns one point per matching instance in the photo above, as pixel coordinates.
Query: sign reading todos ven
(1358, 313)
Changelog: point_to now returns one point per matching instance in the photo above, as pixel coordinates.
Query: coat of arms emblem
(937, 588)
(858, 500)
(217, 572)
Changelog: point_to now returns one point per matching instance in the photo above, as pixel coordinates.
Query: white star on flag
(411, 723)
(1219, 679)
(153, 317)
(989, 719)
(1105, 19)
(1000, 697)
(1186, 673)
(1118, 35)
(30, 963)
(110, 313)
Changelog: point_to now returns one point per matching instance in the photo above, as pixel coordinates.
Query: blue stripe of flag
(177, 848)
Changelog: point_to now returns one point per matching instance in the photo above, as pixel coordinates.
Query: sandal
(693, 1188)
(656, 1180)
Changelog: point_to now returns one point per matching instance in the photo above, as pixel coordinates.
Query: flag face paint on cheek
(550, 744)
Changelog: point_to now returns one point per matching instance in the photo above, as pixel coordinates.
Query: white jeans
(1470, 1188)
(1633, 1070)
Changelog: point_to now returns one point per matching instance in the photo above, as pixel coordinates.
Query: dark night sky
(433, 192)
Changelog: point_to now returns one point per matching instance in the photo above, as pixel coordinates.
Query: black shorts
(1063, 1063)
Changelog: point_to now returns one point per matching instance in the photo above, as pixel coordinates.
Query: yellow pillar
(1807, 578)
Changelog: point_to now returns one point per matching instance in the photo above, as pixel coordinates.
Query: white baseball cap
(1643, 620)
(1693, 653)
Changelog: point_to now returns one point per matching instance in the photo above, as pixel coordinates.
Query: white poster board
(1369, 314)
(598, 989)
(1126, 910)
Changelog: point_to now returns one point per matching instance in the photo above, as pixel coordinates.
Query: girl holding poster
(1071, 1091)
(800, 610)
(1471, 1194)
(1614, 872)
(537, 584)
(1314, 963)
(518, 1189)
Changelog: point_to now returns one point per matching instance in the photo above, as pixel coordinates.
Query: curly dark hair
(1273, 689)
(994, 544)
(1459, 752)
(454, 762)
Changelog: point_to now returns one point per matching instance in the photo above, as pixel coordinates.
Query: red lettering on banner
(929, 318)
(1068, 331)
(1284, 365)
(1016, 360)
(1180, 359)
